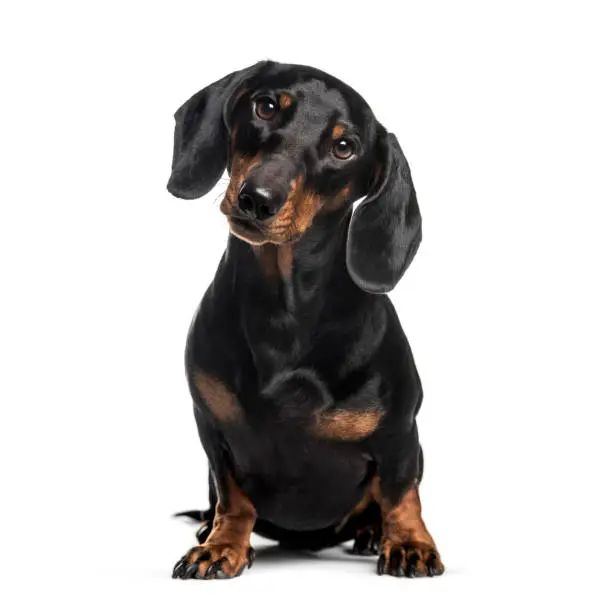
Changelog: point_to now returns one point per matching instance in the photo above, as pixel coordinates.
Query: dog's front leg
(407, 548)
(227, 551)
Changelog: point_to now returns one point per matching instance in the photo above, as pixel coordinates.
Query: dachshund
(304, 386)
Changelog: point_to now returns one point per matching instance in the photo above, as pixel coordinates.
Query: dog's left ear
(202, 136)
(386, 228)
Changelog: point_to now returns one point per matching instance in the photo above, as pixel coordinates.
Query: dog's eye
(343, 148)
(265, 108)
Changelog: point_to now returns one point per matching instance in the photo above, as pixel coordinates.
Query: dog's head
(299, 143)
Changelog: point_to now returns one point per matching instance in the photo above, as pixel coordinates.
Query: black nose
(258, 202)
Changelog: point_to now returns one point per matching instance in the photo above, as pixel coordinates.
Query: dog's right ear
(202, 136)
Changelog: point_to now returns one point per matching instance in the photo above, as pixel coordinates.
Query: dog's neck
(282, 293)
(276, 264)
(296, 277)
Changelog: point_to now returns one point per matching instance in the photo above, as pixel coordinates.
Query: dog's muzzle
(267, 187)
(259, 202)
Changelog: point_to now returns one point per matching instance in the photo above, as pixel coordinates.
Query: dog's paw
(214, 561)
(411, 559)
(367, 542)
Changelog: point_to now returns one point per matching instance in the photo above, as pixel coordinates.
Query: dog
(304, 387)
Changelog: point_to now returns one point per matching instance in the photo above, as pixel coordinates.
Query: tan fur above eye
(338, 131)
(285, 100)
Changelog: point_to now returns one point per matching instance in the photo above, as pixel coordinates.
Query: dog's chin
(248, 232)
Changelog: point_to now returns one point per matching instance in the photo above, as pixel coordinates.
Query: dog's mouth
(246, 229)
(278, 228)
(240, 225)
(243, 223)
(254, 231)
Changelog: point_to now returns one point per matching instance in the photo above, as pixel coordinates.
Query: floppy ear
(202, 136)
(386, 228)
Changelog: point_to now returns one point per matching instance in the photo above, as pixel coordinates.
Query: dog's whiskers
(219, 197)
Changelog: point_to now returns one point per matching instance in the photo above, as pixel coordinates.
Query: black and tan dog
(304, 386)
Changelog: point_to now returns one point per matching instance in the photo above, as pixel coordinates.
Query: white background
(495, 105)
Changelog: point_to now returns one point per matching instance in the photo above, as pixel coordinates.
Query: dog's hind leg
(368, 531)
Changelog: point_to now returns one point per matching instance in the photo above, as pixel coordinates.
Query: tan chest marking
(343, 424)
(354, 418)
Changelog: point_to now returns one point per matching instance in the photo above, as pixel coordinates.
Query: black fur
(321, 338)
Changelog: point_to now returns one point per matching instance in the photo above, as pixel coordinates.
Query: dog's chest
(297, 469)
(294, 479)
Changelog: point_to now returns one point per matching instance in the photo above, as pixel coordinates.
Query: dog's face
(299, 143)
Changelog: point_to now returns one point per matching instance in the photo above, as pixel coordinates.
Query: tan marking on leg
(221, 402)
(341, 424)
(404, 531)
(229, 540)
(403, 522)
